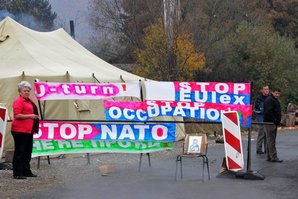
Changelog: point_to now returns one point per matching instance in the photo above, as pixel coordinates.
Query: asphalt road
(157, 181)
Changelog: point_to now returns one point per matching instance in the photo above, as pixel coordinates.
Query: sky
(76, 10)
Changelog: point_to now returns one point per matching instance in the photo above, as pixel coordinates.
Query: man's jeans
(261, 140)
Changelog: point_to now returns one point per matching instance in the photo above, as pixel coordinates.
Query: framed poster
(195, 144)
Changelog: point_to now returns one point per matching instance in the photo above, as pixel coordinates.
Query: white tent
(49, 56)
(54, 56)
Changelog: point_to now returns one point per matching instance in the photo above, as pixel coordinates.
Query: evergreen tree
(36, 14)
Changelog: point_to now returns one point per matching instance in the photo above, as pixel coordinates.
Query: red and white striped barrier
(3, 121)
(232, 141)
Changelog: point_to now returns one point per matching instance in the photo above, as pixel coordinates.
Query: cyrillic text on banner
(54, 147)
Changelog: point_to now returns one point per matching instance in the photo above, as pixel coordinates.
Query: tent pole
(141, 154)
(41, 112)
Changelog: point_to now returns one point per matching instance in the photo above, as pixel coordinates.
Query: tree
(220, 32)
(123, 23)
(256, 54)
(151, 62)
(215, 19)
(35, 14)
(284, 17)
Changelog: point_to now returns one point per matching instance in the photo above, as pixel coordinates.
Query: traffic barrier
(232, 141)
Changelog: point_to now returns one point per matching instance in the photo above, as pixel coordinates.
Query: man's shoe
(268, 160)
(277, 160)
(31, 175)
(260, 152)
(19, 177)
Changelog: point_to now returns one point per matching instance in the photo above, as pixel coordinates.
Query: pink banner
(206, 92)
(143, 111)
(93, 91)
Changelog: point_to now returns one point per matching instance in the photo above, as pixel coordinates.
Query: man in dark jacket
(259, 110)
(272, 113)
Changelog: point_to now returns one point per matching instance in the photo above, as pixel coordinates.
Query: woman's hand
(34, 117)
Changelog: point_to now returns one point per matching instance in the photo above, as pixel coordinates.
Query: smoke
(29, 21)
(25, 19)
(5, 13)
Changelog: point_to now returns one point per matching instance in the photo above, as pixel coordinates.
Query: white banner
(159, 91)
(91, 91)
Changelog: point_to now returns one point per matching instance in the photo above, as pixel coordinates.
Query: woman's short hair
(23, 84)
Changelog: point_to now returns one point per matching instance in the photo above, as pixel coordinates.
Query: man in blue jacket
(259, 110)
(272, 113)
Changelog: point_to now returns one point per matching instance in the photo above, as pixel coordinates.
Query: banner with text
(55, 147)
(143, 111)
(92, 91)
(94, 131)
(205, 92)
(212, 94)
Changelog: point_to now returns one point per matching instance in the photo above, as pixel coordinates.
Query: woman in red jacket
(24, 125)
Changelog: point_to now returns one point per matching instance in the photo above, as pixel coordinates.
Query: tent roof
(55, 53)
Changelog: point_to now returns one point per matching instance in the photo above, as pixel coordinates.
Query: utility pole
(72, 29)
(171, 18)
(171, 22)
